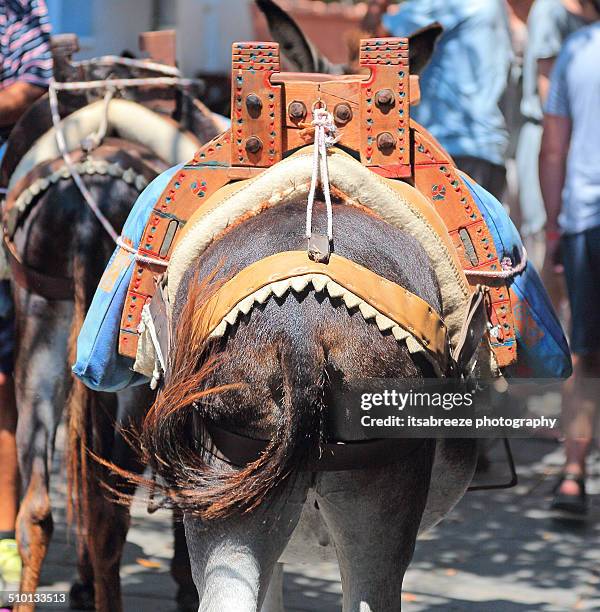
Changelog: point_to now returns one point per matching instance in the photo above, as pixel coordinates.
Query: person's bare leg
(9, 473)
(580, 400)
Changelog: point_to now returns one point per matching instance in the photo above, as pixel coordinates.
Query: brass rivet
(254, 145)
(297, 110)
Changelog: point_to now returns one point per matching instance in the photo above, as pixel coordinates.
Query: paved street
(497, 552)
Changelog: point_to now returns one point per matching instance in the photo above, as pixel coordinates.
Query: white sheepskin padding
(131, 121)
(285, 181)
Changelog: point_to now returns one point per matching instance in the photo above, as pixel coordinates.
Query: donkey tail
(300, 426)
(78, 414)
(212, 492)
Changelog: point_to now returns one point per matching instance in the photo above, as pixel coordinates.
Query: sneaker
(10, 562)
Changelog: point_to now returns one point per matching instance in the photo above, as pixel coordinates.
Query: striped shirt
(25, 53)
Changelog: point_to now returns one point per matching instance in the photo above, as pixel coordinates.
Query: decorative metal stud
(342, 113)
(297, 110)
(254, 105)
(386, 143)
(385, 99)
(254, 145)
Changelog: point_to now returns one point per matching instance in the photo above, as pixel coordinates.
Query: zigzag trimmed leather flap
(391, 300)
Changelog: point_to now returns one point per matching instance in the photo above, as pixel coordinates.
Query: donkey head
(304, 56)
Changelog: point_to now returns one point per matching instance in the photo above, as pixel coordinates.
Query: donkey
(63, 238)
(60, 237)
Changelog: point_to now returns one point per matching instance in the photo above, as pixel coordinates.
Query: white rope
(325, 137)
(101, 84)
(87, 196)
(94, 140)
(109, 60)
(508, 270)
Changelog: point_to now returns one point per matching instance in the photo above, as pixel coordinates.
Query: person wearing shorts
(25, 71)
(570, 181)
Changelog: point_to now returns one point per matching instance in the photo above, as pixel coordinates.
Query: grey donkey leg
(373, 516)
(452, 472)
(233, 560)
(41, 387)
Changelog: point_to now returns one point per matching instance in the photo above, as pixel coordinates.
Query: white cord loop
(325, 136)
(94, 140)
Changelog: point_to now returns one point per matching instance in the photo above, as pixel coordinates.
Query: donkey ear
(422, 45)
(297, 49)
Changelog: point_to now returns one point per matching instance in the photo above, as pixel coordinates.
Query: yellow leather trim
(395, 302)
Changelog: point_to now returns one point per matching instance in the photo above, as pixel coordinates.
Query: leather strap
(395, 302)
(111, 151)
(241, 450)
(49, 287)
(52, 287)
(473, 329)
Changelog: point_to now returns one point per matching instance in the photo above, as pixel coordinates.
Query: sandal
(574, 505)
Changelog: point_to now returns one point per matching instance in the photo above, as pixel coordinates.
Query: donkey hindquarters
(292, 356)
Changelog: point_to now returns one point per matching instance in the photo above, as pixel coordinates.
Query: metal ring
(319, 101)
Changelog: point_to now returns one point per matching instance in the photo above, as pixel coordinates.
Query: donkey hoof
(81, 596)
(187, 599)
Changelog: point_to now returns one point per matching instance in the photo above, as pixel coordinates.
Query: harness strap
(408, 310)
(28, 188)
(473, 330)
(126, 165)
(240, 450)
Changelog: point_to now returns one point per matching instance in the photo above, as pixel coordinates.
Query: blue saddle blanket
(542, 349)
(98, 362)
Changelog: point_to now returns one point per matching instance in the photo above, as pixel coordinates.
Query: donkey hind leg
(233, 560)
(452, 472)
(181, 570)
(373, 516)
(81, 593)
(109, 520)
(41, 384)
